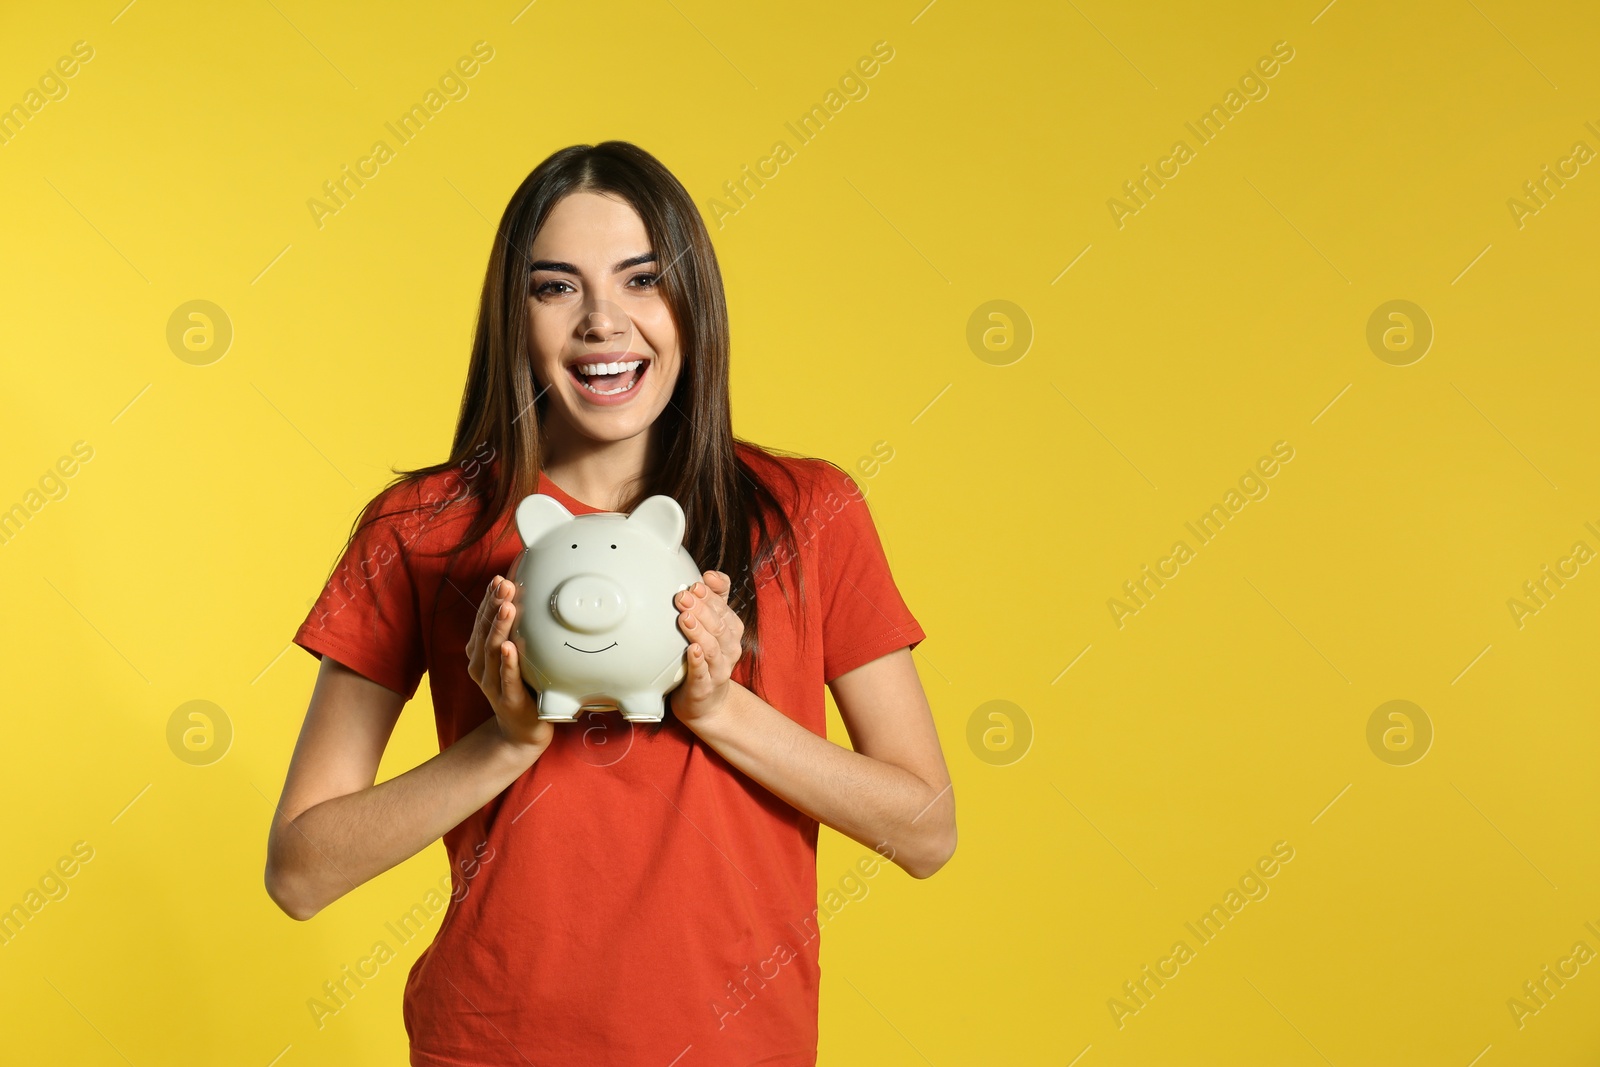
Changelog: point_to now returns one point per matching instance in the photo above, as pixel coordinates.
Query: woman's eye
(558, 287)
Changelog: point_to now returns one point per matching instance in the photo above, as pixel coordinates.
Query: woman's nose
(604, 321)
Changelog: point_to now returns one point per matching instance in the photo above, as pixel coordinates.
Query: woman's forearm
(336, 845)
(868, 800)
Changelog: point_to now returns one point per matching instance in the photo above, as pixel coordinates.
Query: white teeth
(608, 368)
(586, 369)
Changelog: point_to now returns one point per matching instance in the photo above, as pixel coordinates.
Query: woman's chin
(606, 424)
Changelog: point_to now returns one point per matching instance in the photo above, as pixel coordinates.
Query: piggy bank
(596, 625)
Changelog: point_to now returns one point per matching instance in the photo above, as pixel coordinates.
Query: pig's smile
(592, 652)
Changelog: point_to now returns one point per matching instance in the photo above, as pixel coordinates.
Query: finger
(690, 632)
(732, 640)
(486, 669)
(707, 618)
(504, 617)
(689, 622)
(720, 609)
(480, 619)
(728, 629)
(486, 606)
(477, 655)
(716, 587)
(699, 671)
(512, 693)
(713, 622)
(487, 663)
(703, 604)
(696, 628)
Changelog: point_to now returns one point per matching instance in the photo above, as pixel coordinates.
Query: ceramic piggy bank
(596, 625)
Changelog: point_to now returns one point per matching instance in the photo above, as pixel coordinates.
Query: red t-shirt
(632, 898)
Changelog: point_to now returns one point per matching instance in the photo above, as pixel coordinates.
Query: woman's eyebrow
(568, 268)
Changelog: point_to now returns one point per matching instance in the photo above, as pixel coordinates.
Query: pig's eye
(613, 546)
(574, 546)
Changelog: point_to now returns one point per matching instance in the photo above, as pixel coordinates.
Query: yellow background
(1227, 315)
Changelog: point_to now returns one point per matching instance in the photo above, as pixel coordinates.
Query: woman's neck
(599, 473)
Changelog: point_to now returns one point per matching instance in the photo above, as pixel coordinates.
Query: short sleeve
(863, 614)
(367, 616)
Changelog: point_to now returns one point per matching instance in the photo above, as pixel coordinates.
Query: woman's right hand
(493, 663)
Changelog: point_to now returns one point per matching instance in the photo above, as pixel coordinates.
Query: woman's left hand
(714, 633)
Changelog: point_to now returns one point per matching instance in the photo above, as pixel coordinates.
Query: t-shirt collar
(568, 501)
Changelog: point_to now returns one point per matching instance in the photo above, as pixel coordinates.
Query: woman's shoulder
(420, 509)
(799, 480)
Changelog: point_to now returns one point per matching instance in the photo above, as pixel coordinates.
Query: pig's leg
(642, 707)
(557, 707)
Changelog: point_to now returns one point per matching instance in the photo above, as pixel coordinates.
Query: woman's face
(600, 335)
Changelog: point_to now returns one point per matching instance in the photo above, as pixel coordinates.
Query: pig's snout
(589, 603)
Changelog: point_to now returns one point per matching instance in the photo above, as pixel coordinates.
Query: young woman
(621, 895)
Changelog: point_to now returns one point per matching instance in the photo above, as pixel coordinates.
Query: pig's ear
(538, 514)
(662, 517)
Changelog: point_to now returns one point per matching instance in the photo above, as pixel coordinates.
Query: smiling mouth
(592, 652)
(608, 377)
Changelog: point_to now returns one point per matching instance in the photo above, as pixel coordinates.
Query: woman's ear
(662, 517)
(538, 514)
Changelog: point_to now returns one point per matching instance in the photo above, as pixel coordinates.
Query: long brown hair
(723, 496)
